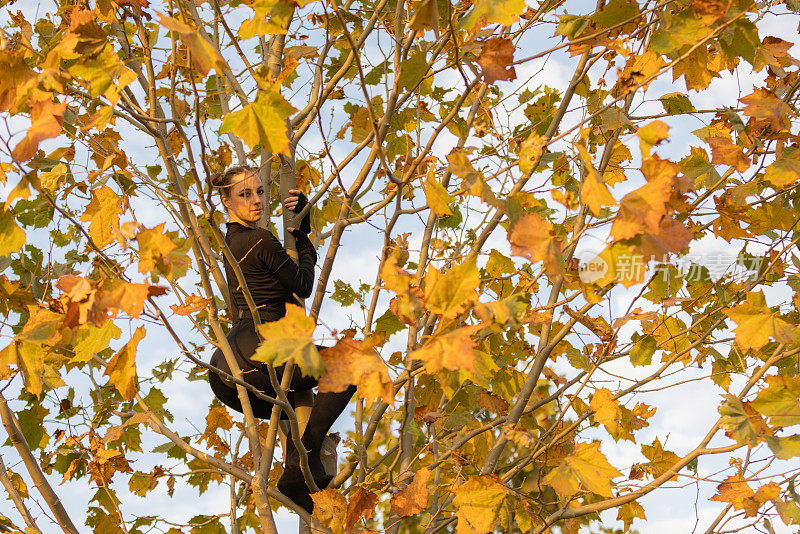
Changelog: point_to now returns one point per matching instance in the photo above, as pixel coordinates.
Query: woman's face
(246, 200)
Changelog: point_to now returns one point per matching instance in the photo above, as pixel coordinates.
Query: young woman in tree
(273, 279)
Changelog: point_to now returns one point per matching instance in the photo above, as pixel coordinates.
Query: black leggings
(244, 340)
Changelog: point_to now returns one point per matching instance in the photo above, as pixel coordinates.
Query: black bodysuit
(272, 278)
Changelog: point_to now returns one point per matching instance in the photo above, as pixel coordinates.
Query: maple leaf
(533, 237)
(205, 55)
(102, 214)
(733, 490)
(780, 401)
(485, 12)
(330, 509)
(757, 323)
(262, 122)
(452, 351)
(605, 407)
(641, 210)
(594, 192)
(660, 460)
(90, 339)
(426, 16)
(194, 304)
(585, 467)
(451, 293)
(437, 196)
(741, 422)
(46, 119)
(12, 237)
(651, 135)
(154, 249)
(628, 511)
(412, 499)
(766, 108)
(784, 447)
(121, 370)
(477, 503)
(724, 152)
(361, 505)
(291, 338)
(356, 362)
(124, 296)
(784, 171)
(496, 60)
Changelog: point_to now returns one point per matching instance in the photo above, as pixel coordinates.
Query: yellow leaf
(271, 17)
(412, 499)
(452, 351)
(262, 123)
(356, 362)
(477, 503)
(734, 491)
(757, 323)
(651, 135)
(395, 278)
(487, 12)
(31, 363)
(642, 210)
(783, 172)
(205, 55)
(604, 406)
(767, 109)
(12, 237)
(437, 196)
(530, 152)
(291, 338)
(46, 119)
(121, 370)
(451, 293)
(594, 192)
(586, 466)
(154, 249)
(102, 214)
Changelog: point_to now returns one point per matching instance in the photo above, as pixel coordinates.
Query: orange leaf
(194, 304)
(121, 370)
(496, 60)
(361, 504)
(412, 499)
(46, 119)
(330, 508)
(724, 152)
(356, 362)
(734, 490)
(533, 237)
(767, 109)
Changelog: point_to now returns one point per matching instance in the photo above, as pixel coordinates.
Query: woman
(272, 278)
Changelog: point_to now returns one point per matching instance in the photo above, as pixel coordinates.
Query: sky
(684, 412)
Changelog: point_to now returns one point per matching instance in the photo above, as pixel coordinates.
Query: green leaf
(389, 324)
(740, 421)
(642, 352)
(31, 422)
(412, 70)
(785, 447)
(676, 103)
(262, 122)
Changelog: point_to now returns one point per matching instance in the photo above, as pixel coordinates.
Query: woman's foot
(293, 484)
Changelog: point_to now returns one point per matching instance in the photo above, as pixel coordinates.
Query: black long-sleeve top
(271, 275)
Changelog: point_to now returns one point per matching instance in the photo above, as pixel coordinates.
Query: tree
(501, 363)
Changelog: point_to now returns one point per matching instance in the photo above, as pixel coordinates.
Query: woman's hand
(296, 201)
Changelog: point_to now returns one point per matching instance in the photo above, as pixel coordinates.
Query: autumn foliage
(541, 226)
